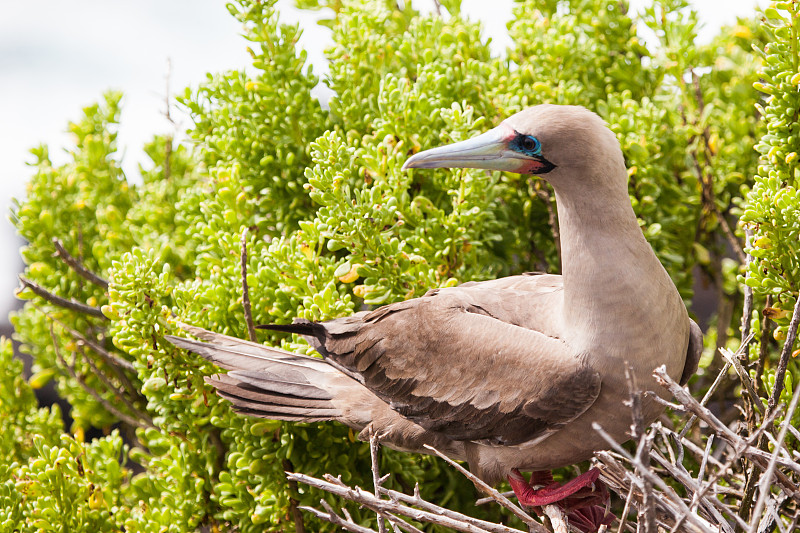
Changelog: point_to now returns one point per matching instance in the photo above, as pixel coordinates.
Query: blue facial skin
(526, 144)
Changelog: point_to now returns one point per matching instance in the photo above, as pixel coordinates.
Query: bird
(509, 374)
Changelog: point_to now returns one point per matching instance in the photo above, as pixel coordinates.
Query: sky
(57, 56)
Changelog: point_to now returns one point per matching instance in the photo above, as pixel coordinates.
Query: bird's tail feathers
(268, 382)
(275, 399)
(299, 326)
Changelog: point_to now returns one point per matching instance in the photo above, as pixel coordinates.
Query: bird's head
(556, 142)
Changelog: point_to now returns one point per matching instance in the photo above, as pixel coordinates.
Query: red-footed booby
(508, 374)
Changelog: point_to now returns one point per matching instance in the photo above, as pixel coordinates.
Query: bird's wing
(693, 352)
(532, 300)
(455, 362)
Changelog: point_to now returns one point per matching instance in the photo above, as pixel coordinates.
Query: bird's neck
(608, 267)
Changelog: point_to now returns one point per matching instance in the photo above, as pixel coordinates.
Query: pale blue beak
(489, 151)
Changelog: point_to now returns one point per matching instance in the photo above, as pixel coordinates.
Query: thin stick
(493, 493)
(624, 516)
(337, 520)
(417, 501)
(786, 352)
(717, 381)
(369, 501)
(698, 490)
(102, 401)
(747, 306)
(62, 302)
(110, 358)
(744, 377)
(763, 345)
(647, 511)
(248, 315)
(77, 266)
(557, 519)
(120, 395)
(489, 499)
(704, 462)
(294, 509)
(374, 446)
(701, 524)
(766, 478)
(725, 432)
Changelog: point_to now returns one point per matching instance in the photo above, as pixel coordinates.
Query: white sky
(56, 56)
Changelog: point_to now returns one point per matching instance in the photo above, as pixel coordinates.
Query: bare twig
(717, 381)
(763, 345)
(112, 359)
(766, 479)
(647, 516)
(624, 516)
(108, 406)
(704, 463)
(248, 314)
(62, 302)
(77, 266)
(499, 498)
(368, 500)
(747, 306)
(417, 501)
(376, 475)
(736, 245)
(753, 453)
(786, 352)
(695, 520)
(335, 519)
(489, 499)
(294, 509)
(698, 490)
(744, 377)
(119, 394)
(557, 518)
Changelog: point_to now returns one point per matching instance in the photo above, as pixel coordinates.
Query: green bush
(332, 224)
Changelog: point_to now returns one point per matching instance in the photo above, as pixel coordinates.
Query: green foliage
(48, 480)
(261, 127)
(772, 211)
(83, 203)
(332, 224)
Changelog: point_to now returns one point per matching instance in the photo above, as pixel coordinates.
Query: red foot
(583, 498)
(589, 519)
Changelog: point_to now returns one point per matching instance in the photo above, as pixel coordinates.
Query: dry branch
(368, 500)
(788, 345)
(61, 302)
(108, 406)
(493, 493)
(77, 266)
(248, 313)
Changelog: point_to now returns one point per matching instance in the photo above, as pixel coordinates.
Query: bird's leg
(542, 490)
(583, 498)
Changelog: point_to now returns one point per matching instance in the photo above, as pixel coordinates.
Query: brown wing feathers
(445, 363)
(449, 362)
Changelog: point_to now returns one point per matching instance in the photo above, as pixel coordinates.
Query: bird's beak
(488, 151)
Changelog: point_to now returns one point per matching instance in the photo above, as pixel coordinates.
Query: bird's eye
(531, 145)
